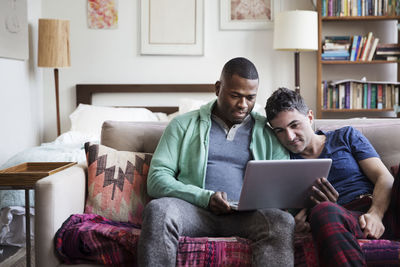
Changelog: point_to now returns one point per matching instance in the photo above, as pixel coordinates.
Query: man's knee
(161, 210)
(278, 220)
(321, 211)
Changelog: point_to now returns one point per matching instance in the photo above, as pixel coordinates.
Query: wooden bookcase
(332, 113)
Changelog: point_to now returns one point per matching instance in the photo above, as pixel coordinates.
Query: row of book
(363, 47)
(354, 94)
(339, 8)
(358, 48)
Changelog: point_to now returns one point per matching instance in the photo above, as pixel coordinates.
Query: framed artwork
(14, 40)
(102, 14)
(172, 27)
(248, 14)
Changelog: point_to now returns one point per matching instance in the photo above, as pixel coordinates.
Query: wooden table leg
(27, 228)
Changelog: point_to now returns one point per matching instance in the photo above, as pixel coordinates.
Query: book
(379, 96)
(369, 93)
(342, 95)
(347, 95)
(363, 55)
(388, 52)
(359, 96)
(373, 48)
(373, 96)
(360, 47)
(325, 94)
(353, 53)
(365, 96)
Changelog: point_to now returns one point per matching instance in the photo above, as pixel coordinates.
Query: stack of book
(338, 8)
(336, 48)
(355, 94)
(363, 47)
(388, 52)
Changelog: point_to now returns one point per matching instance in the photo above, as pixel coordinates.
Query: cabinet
(346, 69)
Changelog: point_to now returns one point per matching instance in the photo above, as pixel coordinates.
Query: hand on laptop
(302, 226)
(323, 191)
(219, 203)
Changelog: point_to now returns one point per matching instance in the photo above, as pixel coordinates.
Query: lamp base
(57, 102)
(297, 72)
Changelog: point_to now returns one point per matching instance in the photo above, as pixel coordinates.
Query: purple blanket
(92, 238)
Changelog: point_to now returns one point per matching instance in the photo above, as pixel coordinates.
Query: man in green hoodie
(199, 164)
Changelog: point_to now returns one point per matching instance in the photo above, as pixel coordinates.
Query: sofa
(64, 193)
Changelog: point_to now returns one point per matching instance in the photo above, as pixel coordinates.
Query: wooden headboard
(84, 92)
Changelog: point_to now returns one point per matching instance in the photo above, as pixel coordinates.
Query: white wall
(21, 96)
(112, 56)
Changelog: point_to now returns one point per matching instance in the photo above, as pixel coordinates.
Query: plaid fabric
(89, 238)
(336, 229)
(204, 251)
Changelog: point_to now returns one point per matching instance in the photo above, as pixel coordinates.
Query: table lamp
(296, 30)
(54, 51)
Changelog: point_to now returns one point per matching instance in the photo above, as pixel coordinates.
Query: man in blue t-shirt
(356, 172)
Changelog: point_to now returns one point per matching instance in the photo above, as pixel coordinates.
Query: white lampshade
(296, 30)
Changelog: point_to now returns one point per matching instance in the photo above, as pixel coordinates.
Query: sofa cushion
(117, 182)
(382, 133)
(132, 136)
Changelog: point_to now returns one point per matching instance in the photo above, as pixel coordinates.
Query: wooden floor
(11, 256)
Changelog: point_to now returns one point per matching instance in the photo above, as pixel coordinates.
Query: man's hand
(372, 225)
(219, 204)
(301, 225)
(322, 190)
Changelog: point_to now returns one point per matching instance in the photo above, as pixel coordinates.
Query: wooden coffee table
(24, 176)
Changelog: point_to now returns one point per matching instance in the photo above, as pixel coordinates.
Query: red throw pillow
(117, 183)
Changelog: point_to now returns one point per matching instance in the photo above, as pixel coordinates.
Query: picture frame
(14, 35)
(261, 18)
(172, 27)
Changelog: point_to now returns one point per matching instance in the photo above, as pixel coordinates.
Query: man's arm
(164, 169)
(376, 171)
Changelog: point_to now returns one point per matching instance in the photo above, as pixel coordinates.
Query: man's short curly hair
(284, 99)
(240, 66)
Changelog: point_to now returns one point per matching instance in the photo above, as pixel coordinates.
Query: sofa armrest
(56, 197)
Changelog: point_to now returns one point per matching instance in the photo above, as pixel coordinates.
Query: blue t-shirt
(346, 146)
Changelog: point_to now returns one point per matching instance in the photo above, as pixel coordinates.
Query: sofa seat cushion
(90, 238)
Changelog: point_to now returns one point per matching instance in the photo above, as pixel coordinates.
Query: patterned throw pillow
(117, 183)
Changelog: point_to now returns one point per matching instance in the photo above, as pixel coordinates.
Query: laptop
(280, 183)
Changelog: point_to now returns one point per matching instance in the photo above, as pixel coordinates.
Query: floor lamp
(54, 51)
(296, 30)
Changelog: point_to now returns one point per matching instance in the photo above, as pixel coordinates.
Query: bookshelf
(351, 68)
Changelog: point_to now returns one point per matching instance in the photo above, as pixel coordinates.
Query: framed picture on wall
(14, 41)
(248, 14)
(172, 27)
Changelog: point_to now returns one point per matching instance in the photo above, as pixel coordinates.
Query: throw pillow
(117, 183)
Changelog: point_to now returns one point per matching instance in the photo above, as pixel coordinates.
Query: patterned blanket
(90, 238)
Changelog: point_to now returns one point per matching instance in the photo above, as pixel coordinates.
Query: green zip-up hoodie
(178, 167)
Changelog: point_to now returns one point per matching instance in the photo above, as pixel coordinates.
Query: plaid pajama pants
(335, 229)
